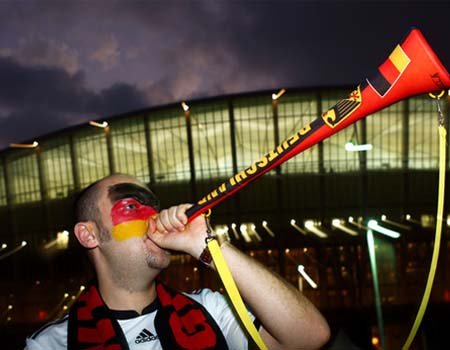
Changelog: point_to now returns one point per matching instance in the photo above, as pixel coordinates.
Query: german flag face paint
(133, 206)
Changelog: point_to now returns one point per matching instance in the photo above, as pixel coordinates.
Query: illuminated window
(385, 133)
(91, 155)
(23, 171)
(211, 141)
(254, 130)
(335, 157)
(294, 113)
(57, 167)
(170, 152)
(423, 134)
(130, 148)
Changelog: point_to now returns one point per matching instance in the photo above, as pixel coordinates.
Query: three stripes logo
(145, 336)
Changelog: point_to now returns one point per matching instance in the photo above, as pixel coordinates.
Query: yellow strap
(233, 293)
(437, 240)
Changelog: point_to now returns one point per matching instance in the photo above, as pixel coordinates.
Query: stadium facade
(184, 151)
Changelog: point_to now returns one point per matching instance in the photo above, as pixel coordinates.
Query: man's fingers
(175, 219)
(162, 221)
(181, 212)
(172, 219)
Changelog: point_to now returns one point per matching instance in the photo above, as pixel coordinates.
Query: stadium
(311, 211)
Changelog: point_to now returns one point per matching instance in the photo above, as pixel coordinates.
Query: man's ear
(86, 233)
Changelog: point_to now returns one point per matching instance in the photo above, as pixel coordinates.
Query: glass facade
(91, 155)
(385, 131)
(57, 168)
(335, 157)
(226, 133)
(294, 112)
(254, 129)
(423, 134)
(212, 141)
(23, 173)
(130, 148)
(169, 144)
(3, 198)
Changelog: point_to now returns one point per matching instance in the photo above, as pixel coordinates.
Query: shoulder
(52, 335)
(209, 299)
(220, 308)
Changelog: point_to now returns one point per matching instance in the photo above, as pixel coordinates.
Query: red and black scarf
(180, 322)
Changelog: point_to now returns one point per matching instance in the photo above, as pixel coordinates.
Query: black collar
(128, 314)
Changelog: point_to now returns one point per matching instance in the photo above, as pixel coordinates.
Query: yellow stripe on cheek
(129, 229)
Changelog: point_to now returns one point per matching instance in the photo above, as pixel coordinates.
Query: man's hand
(171, 231)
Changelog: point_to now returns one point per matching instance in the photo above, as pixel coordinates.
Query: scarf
(180, 322)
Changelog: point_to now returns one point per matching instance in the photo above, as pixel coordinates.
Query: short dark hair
(86, 203)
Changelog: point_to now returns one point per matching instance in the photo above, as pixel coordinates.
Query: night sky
(63, 63)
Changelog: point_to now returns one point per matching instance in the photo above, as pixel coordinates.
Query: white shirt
(139, 330)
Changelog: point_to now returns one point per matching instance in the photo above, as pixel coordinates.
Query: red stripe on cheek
(130, 209)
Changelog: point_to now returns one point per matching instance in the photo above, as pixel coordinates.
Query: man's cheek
(130, 229)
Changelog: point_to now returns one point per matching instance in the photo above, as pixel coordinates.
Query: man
(127, 241)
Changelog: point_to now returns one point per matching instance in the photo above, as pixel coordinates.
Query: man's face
(133, 205)
(127, 208)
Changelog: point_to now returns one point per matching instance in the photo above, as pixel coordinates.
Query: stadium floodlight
(102, 125)
(24, 145)
(185, 106)
(298, 228)
(351, 147)
(309, 225)
(15, 250)
(373, 224)
(339, 225)
(235, 233)
(267, 228)
(244, 232)
(302, 272)
(394, 223)
(278, 94)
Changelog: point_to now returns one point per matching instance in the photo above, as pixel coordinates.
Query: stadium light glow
(373, 224)
(235, 233)
(339, 225)
(310, 226)
(302, 272)
(393, 223)
(244, 233)
(267, 228)
(278, 94)
(102, 125)
(298, 228)
(4, 245)
(15, 250)
(351, 147)
(24, 145)
(184, 106)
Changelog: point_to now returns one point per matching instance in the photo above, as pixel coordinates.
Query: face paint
(131, 211)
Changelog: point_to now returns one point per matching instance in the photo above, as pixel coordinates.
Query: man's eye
(131, 206)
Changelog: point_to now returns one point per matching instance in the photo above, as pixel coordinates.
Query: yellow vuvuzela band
(233, 293)
(437, 239)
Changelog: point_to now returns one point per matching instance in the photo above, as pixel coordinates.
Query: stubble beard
(136, 272)
(160, 262)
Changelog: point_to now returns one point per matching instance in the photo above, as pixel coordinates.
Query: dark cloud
(75, 60)
(36, 100)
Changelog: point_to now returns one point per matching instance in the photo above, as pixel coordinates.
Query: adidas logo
(145, 336)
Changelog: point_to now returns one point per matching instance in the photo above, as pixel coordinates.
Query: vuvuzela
(411, 69)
